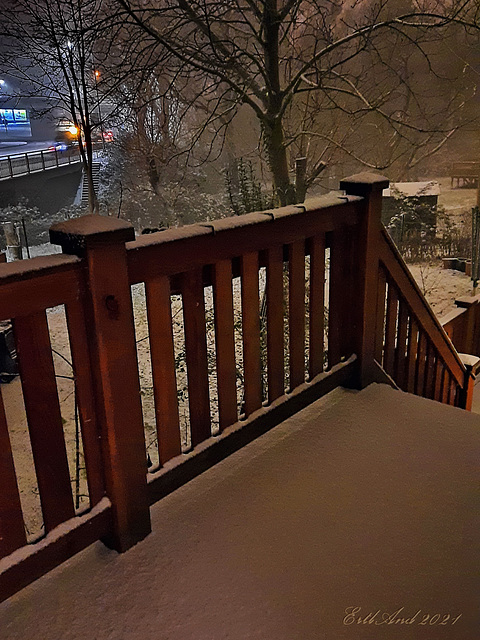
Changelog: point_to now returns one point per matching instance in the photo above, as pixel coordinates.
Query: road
(12, 148)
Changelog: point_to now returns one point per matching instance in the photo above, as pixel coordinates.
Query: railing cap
(467, 301)
(77, 234)
(362, 184)
(470, 362)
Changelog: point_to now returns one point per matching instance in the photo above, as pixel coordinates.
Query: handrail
(28, 286)
(399, 271)
(187, 247)
(37, 161)
(413, 332)
(22, 164)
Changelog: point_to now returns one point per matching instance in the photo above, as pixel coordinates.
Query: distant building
(25, 117)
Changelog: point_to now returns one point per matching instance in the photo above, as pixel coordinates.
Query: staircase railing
(412, 345)
(401, 332)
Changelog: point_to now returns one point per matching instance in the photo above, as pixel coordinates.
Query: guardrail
(22, 164)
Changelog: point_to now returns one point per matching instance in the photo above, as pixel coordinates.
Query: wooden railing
(27, 289)
(298, 305)
(412, 347)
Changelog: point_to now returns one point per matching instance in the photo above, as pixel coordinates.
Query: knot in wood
(113, 307)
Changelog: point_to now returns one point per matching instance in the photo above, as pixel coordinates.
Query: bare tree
(317, 74)
(49, 46)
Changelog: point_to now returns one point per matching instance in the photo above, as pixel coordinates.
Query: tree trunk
(278, 161)
(152, 172)
(301, 178)
(86, 152)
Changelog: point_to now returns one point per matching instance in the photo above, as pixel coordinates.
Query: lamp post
(97, 75)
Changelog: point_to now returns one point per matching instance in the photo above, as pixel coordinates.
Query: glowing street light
(97, 76)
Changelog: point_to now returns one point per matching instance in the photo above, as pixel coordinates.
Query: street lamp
(97, 76)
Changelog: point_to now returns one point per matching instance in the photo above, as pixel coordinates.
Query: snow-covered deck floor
(367, 500)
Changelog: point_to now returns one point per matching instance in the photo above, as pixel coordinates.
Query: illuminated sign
(15, 122)
(20, 115)
(13, 116)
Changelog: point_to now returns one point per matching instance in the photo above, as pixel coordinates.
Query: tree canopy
(384, 83)
(321, 74)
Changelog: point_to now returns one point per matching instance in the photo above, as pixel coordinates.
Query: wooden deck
(364, 499)
(325, 301)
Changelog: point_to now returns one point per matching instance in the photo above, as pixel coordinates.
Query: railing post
(465, 399)
(470, 324)
(370, 187)
(109, 318)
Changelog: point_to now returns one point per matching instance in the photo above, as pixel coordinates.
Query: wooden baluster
(439, 369)
(453, 392)
(45, 425)
(317, 305)
(12, 529)
(351, 305)
(275, 326)
(430, 368)
(446, 387)
(225, 344)
(251, 334)
(412, 355)
(380, 316)
(196, 356)
(401, 351)
(336, 304)
(421, 365)
(390, 330)
(85, 398)
(296, 323)
(160, 330)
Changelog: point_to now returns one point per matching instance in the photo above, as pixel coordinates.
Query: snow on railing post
(101, 241)
(369, 186)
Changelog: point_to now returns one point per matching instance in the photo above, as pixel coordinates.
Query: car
(58, 146)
